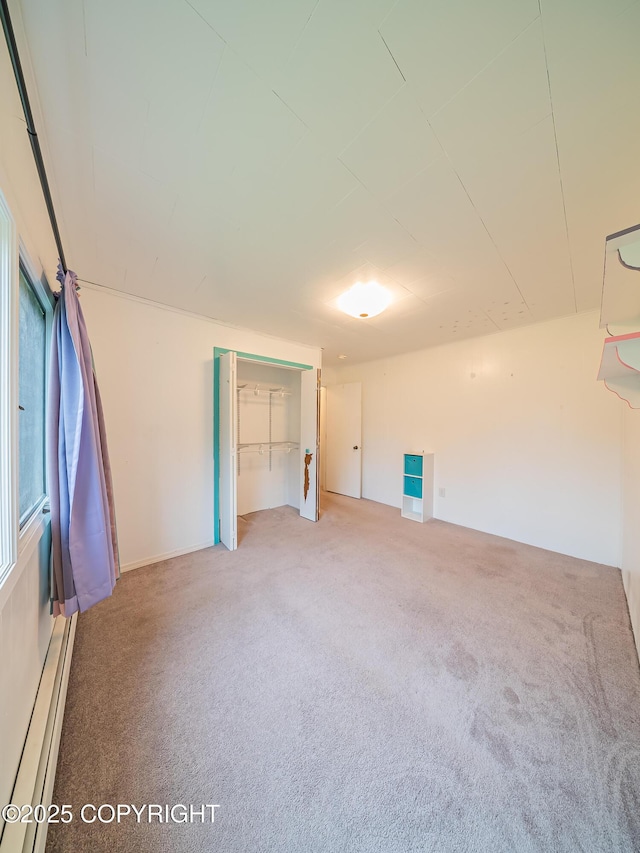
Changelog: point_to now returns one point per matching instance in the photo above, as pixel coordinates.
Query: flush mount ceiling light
(366, 299)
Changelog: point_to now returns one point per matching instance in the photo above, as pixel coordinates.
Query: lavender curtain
(85, 562)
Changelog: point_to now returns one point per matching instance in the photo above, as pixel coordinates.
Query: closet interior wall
(268, 458)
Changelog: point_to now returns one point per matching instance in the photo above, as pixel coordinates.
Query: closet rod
(243, 450)
(292, 445)
(9, 35)
(281, 391)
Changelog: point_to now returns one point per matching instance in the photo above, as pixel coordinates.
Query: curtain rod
(31, 128)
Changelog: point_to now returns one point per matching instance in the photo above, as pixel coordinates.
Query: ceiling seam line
(311, 14)
(382, 206)
(491, 320)
(557, 150)
(387, 16)
(406, 230)
(535, 124)
(371, 120)
(294, 46)
(84, 29)
(392, 56)
(292, 111)
(489, 234)
(477, 212)
(202, 18)
(211, 87)
(198, 286)
(484, 67)
(353, 174)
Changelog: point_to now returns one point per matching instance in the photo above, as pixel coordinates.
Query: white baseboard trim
(37, 770)
(631, 583)
(160, 558)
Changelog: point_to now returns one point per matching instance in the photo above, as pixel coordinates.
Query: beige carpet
(363, 684)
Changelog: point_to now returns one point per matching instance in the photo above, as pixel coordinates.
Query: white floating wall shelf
(620, 315)
(620, 367)
(621, 286)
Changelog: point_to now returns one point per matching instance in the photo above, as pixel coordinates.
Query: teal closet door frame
(248, 356)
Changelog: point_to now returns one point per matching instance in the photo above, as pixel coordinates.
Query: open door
(309, 443)
(228, 451)
(344, 439)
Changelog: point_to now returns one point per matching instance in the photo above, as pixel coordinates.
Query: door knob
(355, 446)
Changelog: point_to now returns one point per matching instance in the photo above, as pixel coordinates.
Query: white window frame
(8, 391)
(45, 298)
(16, 543)
(33, 527)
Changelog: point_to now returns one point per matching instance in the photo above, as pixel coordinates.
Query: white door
(309, 443)
(344, 439)
(228, 491)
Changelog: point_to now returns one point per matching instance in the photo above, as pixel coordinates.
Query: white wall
(25, 623)
(527, 444)
(155, 372)
(631, 516)
(25, 631)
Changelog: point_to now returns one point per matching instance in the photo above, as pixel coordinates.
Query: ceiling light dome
(365, 299)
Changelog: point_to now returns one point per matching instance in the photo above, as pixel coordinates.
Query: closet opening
(266, 429)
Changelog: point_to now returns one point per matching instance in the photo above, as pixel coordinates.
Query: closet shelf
(267, 446)
(257, 388)
(620, 367)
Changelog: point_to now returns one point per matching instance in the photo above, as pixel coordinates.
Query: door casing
(311, 420)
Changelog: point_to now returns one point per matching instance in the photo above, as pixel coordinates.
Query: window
(8, 419)
(32, 359)
(25, 323)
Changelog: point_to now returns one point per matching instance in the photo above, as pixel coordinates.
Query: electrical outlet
(442, 492)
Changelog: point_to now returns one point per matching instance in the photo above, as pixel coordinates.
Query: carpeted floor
(363, 684)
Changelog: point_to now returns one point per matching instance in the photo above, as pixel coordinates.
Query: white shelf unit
(620, 367)
(417, 486)
(620, 314)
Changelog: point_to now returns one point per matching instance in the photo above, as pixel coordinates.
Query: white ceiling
(250, 160)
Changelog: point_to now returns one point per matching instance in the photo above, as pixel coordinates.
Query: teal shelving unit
(417, 486)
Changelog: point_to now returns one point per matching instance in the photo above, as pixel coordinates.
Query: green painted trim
(249, 356)
(217, 352)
